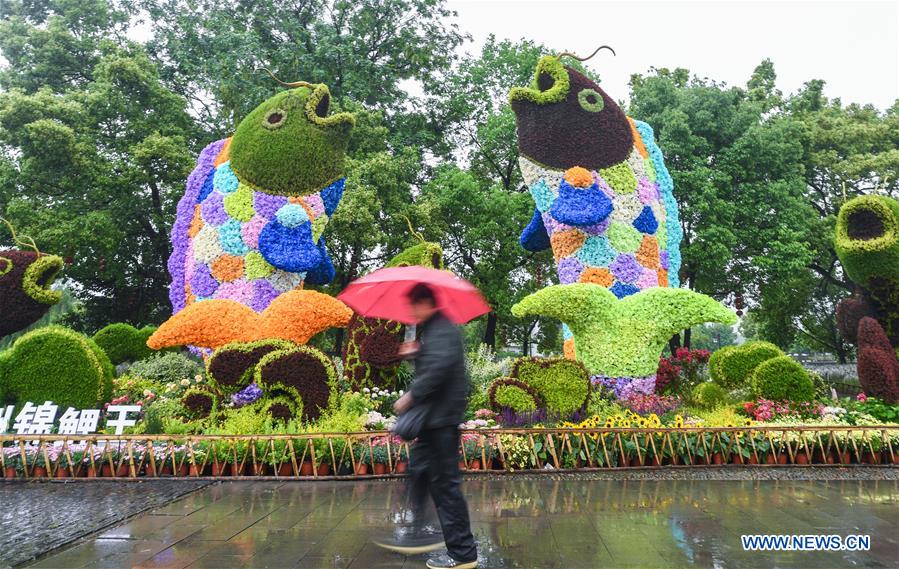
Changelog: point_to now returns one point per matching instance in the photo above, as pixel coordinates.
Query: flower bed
(326, 455)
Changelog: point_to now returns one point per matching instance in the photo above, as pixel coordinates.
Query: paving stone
(532, 522)
(38, 517)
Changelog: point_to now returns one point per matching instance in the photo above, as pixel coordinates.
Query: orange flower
(579, 177)
(648, 253)
(564, 243)
(568, 349)
(224, 153)
(227, 268)
(297, 316)
(600, 276)
(663, 277)
(638, 140)
(196, 224)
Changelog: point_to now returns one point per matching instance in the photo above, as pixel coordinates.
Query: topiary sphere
(709, 395)
(59, 365)
(734, 367)
(782, 379)
(124, 343)
(715, 371)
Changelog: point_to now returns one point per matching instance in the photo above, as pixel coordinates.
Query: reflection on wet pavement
(528, 523)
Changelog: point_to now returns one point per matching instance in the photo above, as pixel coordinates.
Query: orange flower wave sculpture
(297, 315)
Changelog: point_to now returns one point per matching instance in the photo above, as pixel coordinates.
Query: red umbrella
(382, 294)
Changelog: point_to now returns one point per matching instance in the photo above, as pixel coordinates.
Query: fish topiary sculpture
(867, 243)
(605, 206)
(370, 353)
(249, 226)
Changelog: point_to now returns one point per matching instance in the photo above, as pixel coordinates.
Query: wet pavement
(36, 517)
(528, 522)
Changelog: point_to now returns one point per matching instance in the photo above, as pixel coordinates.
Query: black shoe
(447, 562)
(412, 544)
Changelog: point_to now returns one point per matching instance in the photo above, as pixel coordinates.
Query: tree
(100, 151)
(712, 337)
(737, 169)
(213, 52)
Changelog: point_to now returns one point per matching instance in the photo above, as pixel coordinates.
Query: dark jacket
(441, 381)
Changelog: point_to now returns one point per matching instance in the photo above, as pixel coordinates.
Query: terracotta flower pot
(221, 469)
(306, 468)
(106, 471)
(474, 465)
(782, 458)
(770, 459)
(285, 469)
(801, 458)
(62, 472)
(9, 472)
(151, 470)
(736, 459)
(361, 469)
(635, 461)
(167, 469)
(380, 469)
(869, 457)
(183, 471)
(753, 459)
(194, 470)
(717, 458)
(461, 465)
(401, 467)
(845, 457)
(237, 469)
(90, 472)
(655, 461)
(39, 472)
(323, 469)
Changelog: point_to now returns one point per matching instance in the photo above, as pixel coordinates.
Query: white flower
(198, 378)
(401, 392)
(185, 382)
(366, 390)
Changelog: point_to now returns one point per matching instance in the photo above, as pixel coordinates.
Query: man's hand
(403, 403)
(408, 349)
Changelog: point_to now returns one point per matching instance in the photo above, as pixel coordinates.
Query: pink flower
(861, 397)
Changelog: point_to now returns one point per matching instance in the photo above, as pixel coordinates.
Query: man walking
(441, 384)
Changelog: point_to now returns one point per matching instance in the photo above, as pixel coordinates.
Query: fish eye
(5, 265)
(590, 100)
(545, 81)
(274, 119)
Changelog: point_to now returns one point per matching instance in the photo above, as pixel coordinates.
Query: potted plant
(400, 458)
(322, 462)
(363, 456)
(222, 459)
(380, 456)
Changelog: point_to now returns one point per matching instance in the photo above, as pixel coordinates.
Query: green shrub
(60, 365)
(158, 413)
(822, 389)
(715, 371)
(782, 379)
(124, 343)
(563, 384)
(733, 369)
(166, 368)
(513, 397)
(709, 395)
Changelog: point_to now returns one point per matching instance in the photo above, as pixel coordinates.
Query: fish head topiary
(565, 119)
(25, 293)
(867, 238)
(424, 254)
(291, 145)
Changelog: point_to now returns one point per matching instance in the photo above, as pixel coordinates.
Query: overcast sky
(852, 45)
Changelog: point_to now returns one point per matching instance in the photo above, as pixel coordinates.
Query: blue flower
(231, 239)
(543, 196)
(292, 215)
(224, 180)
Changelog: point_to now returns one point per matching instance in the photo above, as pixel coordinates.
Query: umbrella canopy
(382, 294)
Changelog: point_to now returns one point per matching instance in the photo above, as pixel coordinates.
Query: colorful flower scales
(231, 239)
(604, 198)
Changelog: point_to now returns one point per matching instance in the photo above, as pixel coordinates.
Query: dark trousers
(434, 470)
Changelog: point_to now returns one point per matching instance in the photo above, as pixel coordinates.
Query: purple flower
(663, 259)
(213, 209)
(266, 204)
(626, 268)
(263, 295)
(569, 270)
(246, 395)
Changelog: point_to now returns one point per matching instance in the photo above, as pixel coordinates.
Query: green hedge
(60, 365)
(124, 343)
(563, 384)
(782, 378)
(510, 393)
(709, 395)
(166, 368)
(733, 368)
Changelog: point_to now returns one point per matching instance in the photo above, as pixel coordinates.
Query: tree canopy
(98, 132)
